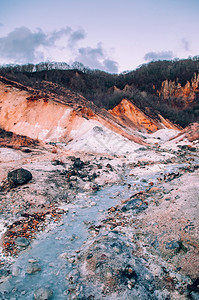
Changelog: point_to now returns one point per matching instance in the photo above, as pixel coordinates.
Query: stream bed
(48, 249)
(52, 250)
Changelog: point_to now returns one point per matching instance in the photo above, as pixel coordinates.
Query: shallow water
(48, 246)
(67, 237)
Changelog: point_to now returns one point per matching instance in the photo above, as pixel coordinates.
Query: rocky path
(136, 239)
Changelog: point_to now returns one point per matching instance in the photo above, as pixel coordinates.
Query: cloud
(1, 24)
(22, 45)
(75, 37)
(96, 58)
(53, 36)
(25, 46)
(111, 65)
(185, 44)
(163, 55)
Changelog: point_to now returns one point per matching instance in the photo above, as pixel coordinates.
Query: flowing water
(67, 237)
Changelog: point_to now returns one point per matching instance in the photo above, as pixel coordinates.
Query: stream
(65, 239)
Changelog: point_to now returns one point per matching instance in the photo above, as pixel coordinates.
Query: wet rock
(78, 164)
(173, 245)
(4, 273)
(19, 177)
(33, 268)
(43, 294)
(22, 242)
(135, 204)
(90, 255)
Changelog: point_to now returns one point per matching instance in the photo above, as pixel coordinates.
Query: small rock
(64, 255)
(71, 260)
(78, 164)
(51, 265)
(33, 268)
(43, 294)
(131, 284)
(153, 189)
(135, 204)
(89, 256)
(22, 242)
(93, 203)
(23, 292)
(88, 186)
(112, 209)
(15, 271)
(98, 129)
(172, 245)
(32, 261)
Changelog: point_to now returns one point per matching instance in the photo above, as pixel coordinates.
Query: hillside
(55, 114)
(166, 87)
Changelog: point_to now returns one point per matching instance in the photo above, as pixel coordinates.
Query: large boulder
(19, 177)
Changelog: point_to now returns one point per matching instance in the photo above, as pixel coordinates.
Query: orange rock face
(46, 118)
(187, 92)
(133, 117)
(53, 118)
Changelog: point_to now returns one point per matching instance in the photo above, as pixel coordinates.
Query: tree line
(107, 90)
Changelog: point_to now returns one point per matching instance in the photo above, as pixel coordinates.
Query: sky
(110, 35)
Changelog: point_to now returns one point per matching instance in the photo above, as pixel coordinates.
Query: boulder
(19, 177)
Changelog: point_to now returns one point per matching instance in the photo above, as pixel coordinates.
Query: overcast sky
(112, 35)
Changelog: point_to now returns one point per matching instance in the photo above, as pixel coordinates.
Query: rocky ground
(144, 247)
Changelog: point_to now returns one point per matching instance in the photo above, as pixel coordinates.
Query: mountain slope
(68, 117)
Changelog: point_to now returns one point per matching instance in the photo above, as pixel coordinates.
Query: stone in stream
(19, 177)
(43, 294)
(33, 268)
(22, 241)
(135, 204)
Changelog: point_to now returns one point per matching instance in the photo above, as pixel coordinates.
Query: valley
(95, 203)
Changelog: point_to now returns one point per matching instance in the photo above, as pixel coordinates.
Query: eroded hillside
(67, 116)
